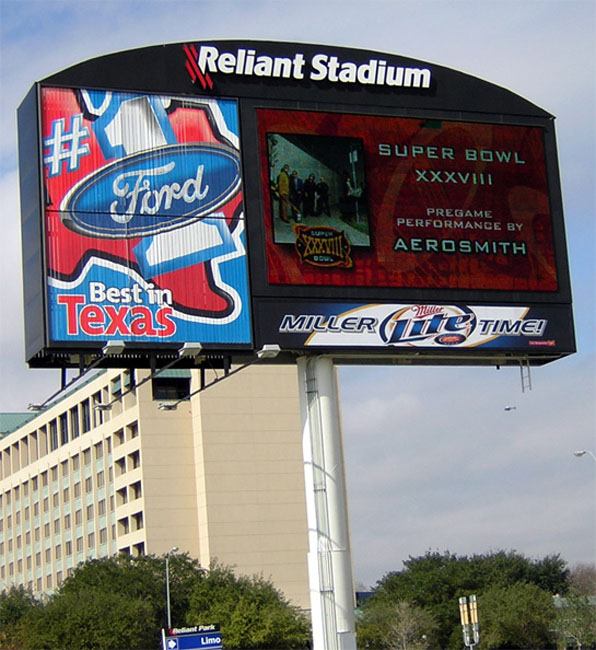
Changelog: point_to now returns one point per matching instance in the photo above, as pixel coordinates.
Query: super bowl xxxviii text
(126, 313)
(465, 246)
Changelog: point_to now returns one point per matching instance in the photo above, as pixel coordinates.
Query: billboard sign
(243, 193)
(144, 218)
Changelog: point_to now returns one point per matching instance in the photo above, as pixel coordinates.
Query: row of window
(67, 426)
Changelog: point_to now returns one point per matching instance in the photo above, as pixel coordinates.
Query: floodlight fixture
(102, 407)
(113, 348)
(168, 407)
(35, 407)
(190, 350)
(269, 351)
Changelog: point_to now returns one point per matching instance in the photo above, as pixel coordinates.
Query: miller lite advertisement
(397, 202)
(144, 218)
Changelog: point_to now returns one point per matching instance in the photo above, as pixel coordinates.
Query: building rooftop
(10, 422)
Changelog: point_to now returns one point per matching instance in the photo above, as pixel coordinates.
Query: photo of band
(317, 181)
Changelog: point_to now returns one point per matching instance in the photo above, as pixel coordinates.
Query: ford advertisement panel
(144, 219)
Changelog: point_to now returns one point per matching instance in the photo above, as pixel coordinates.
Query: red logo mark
(193, 69)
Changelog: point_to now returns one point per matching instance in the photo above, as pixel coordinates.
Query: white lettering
(153, 200)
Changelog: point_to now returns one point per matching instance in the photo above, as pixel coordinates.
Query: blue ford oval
(153, 191)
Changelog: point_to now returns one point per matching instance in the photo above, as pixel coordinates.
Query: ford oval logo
(153, 191)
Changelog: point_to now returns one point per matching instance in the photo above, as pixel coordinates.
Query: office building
(221, 477)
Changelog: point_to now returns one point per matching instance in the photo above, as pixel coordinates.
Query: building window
(101, 508)
(66, 522)
(53, 435)
(91, 540)
(137, 519)
(74, 422)
(100, 479)
(63, 428)
(90, 512)
(86, 413)
(88, 484)
(135, 459)
(79, 544)
(136, 489)
(78, 517)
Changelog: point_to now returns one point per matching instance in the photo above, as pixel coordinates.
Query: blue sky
(433, 461)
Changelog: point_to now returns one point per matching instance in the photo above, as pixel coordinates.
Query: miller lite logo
(445, 325)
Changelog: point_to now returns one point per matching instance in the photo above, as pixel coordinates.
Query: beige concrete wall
(253, 513)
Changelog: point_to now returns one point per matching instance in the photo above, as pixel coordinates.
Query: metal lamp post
(172, 550)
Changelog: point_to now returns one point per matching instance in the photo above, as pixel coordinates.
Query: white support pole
(329, 558)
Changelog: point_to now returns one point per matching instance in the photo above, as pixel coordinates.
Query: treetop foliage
(435, 581)
(119, 602)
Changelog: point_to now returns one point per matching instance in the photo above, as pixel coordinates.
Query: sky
(434, 462)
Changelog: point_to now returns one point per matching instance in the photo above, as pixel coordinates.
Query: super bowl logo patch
(323, 246)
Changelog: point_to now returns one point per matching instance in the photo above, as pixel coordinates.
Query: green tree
(250, 611)
(575, 622)
(91, 619)
(116, 602)
(516, 616)
(435, 581)
(15, 604)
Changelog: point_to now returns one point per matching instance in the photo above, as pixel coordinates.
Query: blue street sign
(211, 640)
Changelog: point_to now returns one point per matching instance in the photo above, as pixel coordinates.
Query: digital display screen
(404, 203)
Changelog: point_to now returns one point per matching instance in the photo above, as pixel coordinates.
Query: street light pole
(173, 550)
